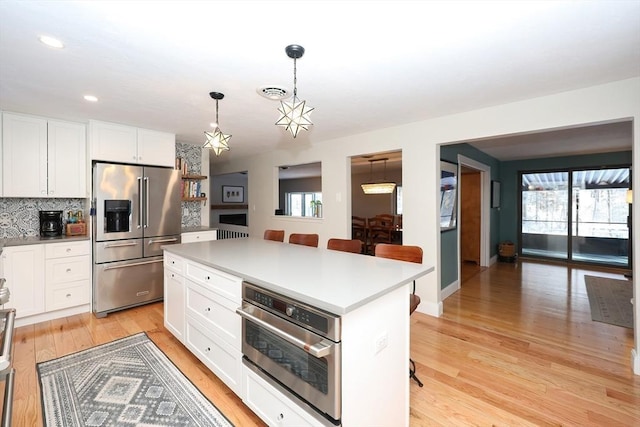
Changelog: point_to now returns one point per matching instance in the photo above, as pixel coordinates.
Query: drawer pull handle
(208, 348)
(280, 417)
(207, 309)
(68, 249)
(208, 277)
(68, 270)
(68, 295)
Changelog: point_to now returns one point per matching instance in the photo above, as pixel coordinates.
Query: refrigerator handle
(147, 197)
(140, 202)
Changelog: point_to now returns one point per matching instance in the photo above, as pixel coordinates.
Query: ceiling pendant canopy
(381, 186)
(217, 140)
(294, 114)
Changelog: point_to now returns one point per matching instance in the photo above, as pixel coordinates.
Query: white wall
(420, 169)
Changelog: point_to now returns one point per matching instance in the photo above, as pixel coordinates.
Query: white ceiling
(368, 65)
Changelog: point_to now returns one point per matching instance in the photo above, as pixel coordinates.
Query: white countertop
(337, 282)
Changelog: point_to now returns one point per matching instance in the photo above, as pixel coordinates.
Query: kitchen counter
(337, 282)
(35, 240)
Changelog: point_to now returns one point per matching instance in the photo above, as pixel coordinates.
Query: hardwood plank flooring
(515, 346)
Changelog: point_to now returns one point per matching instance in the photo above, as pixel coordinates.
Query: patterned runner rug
(128, 382)
(610, 300)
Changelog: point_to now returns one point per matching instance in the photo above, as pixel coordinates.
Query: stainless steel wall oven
(295, 345)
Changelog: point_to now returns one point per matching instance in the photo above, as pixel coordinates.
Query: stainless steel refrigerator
(136, 211)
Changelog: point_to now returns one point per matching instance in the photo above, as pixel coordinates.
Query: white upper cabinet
(113, 142)
(156, 148)
(67, 159)
(42, 157)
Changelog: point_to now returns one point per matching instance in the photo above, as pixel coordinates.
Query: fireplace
(234, 219)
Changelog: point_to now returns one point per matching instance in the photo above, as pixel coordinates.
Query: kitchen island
(369, 294)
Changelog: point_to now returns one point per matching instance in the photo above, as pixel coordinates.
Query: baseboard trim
(449, 290)
(431, 308)
(635, 361)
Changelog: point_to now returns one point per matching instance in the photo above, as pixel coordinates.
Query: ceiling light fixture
(51, 42)
(91, 98)
(378, 187)
(294, 115)
(216, 140)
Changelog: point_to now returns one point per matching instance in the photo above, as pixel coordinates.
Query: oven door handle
(319, 350)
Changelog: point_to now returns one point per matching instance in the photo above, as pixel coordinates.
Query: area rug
(128, 382)
(610, 300)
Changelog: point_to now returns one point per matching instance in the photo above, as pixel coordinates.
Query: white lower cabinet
(199, 306)
(174, 296)
(271, 405)
(48, 281)
(221, 358)
(24, 271)
(67, 275)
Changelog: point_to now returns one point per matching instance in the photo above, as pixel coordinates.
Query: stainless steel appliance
(136, 211)
(293, 345)
(7, 372)
(50, 223)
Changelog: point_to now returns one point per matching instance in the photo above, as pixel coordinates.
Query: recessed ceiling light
(273, 92)
(91, 98)
(51, 42)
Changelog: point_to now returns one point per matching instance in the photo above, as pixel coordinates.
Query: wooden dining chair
(345, 245)
(379, 230)
(304, 239)
(275, 235)
(410, 254)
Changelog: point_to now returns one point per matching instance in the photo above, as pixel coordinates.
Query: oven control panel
(302, 314)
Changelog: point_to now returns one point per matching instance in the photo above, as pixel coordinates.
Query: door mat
(126, 382)
(610, 300)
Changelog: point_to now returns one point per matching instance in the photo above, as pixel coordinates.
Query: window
(576, 215)
(304, 204)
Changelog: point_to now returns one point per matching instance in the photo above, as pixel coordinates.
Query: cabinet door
(113, 142)
(156, 148)
(174, 303)
(67, 159)
(24, 163)
(24, 271)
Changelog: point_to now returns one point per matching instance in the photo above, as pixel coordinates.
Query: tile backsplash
(20, 217)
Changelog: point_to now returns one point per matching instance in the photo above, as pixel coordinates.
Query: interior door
(470, 203)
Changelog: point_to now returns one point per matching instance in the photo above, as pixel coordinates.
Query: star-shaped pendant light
(216, 140)
(294, 114)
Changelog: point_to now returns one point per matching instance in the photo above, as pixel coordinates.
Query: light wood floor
(515, 346)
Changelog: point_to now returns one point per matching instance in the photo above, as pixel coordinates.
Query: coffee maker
(50, 223)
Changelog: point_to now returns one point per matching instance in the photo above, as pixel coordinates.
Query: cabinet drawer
(224, 361)
(173, 263)
(69, 295)
(218, 314)
(272, 406)
(224, 284)
(199, 236)
(61, 250)
(67, 269)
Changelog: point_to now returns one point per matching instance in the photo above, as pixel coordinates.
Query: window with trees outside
(579, 215)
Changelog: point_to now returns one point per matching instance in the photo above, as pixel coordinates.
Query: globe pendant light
(378, 187)
(294, 115)
(216, 140)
